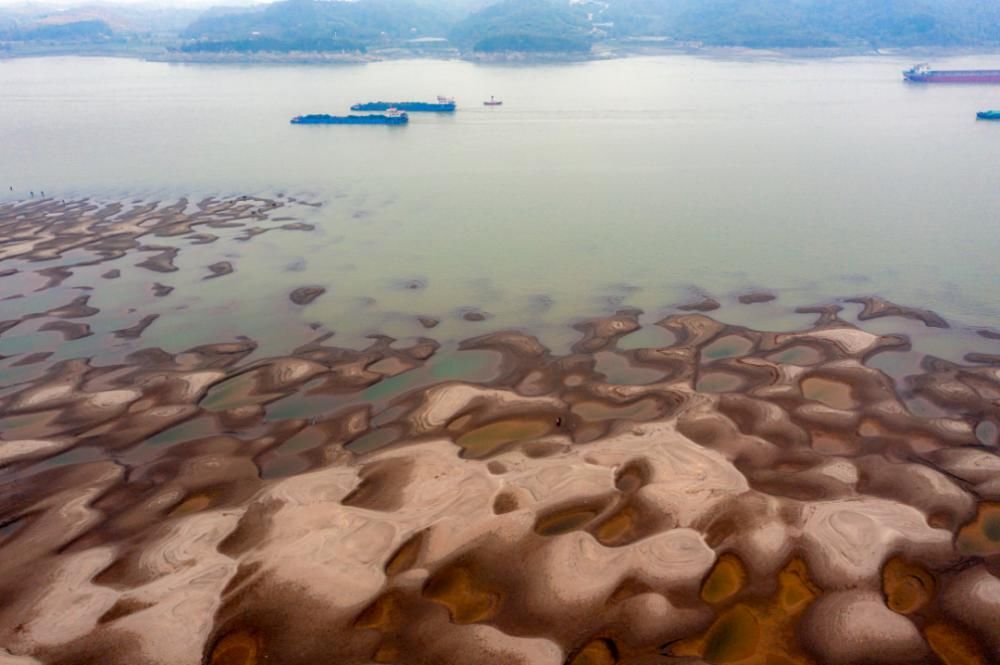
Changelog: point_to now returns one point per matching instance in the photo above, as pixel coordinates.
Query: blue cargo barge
(324, 119)
(418, 107)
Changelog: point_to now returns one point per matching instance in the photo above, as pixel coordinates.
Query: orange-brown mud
(735, 496)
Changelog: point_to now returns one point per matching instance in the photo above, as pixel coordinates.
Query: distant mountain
(811, 23)
(57, 28)
(91, 22)
(489, 26)
(455, 10)
(91, 29)
(313, 25)
(564, 26)
(525, 25)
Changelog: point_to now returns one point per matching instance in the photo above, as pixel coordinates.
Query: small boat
(988, 115)
(493, 102)
(391, 117)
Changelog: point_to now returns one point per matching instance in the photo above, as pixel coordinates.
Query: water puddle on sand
(647, 337)
(826, 443)
(237, 648)
(286, 460)
(282, 466)
(907, 586)
(924, 408)
(618, 529)
(953, 645)
(719, 382)
(726, 579)
(193, 504)
(484, 440)
(987, 433)
(462, 591)
(981, 537)
(797, 355)
(389, 415)
(730, 346)
(757, 629)
(373, 440)
(597, 652)
(30, 425)
(564, 521)
(79, 455)
(189, 430)
(897, 364)
(234, 392)
(195, 428)
(618, 370)
(306, 438)
(468, 366)
(644, 409)
(834, 394)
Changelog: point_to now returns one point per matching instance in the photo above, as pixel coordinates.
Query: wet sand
(679, 491)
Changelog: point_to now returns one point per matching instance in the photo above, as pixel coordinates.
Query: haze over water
(629, 179)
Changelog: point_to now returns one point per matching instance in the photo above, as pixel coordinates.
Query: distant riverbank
(601, 51)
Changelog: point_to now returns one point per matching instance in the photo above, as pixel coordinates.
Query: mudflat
(674, 490)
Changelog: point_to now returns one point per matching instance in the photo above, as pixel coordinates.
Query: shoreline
(611, 51)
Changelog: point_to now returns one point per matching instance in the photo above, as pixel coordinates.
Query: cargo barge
(373, 119)
(418, 107)
(988, 115)
(924, 74)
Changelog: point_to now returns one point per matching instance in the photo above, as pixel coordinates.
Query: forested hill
(90, 23)
(812, 23)
(559, 25)
(512, 25)
(314, 25)
(525, 25)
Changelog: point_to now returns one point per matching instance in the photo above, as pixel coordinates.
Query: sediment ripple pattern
(752, 497)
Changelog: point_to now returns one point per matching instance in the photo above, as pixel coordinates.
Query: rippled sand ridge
(702, 492)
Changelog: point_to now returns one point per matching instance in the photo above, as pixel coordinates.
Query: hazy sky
(63, 4)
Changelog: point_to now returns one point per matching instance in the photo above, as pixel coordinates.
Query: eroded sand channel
(716, 494)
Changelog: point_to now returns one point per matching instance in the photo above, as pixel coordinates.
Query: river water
(596, 184)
